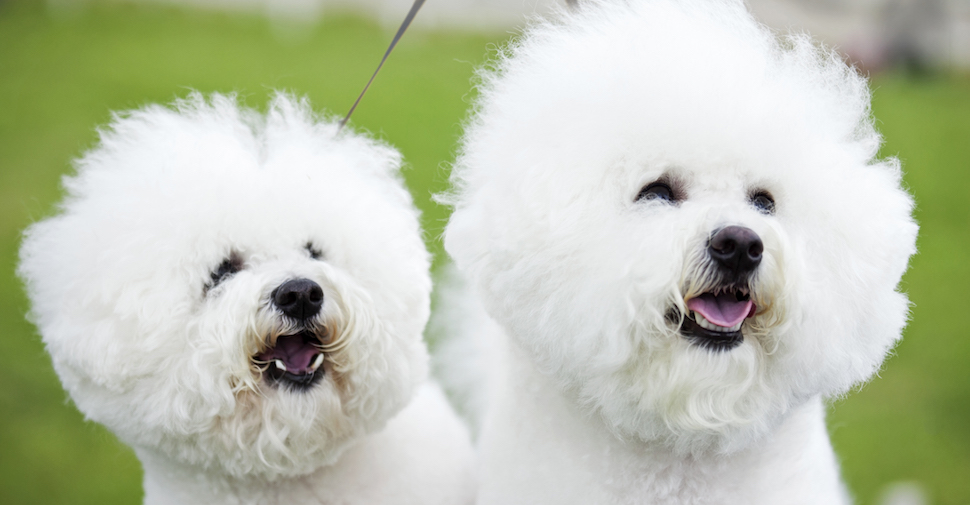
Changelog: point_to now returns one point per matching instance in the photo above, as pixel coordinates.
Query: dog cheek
(384, 359)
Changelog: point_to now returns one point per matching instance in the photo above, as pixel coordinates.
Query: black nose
(299, 298)
(736, 249)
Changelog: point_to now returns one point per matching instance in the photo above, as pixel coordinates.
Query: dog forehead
(694, 83)
(216, 153)
(223, 189)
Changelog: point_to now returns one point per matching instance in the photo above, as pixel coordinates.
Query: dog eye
(229, 266)
(657, 191)
(763, 201)
(313, 251)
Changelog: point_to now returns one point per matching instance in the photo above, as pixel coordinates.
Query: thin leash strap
(400, 31)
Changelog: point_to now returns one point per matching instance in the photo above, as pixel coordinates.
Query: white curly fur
(121, 291)
(596, 397)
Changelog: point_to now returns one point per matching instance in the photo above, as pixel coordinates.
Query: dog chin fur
(153, 289)
(589, 283)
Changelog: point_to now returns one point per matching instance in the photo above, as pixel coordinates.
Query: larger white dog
(680, 226)
(242, 299)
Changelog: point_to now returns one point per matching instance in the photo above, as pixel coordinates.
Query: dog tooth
(707, 325)
(279, 364)
(316, 362)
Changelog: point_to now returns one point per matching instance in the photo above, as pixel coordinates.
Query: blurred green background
(63, 70)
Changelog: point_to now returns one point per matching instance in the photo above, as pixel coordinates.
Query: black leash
(400, 31)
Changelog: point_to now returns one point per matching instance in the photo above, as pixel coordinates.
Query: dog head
(237, 291)
(682, 219)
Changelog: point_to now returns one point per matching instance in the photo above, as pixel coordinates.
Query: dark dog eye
(313, 251)
(657, 191)
(763, 201)
(229, 266)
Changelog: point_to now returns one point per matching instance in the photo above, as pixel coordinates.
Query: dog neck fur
(575, 458)
(422, 456)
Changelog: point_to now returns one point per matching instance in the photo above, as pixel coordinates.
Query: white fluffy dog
(680, 226)
(241, 298)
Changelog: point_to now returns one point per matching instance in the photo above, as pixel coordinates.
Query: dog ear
(78, 325)
(853, 310)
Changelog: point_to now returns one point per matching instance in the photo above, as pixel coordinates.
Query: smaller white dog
(680, 226)
(241, 298)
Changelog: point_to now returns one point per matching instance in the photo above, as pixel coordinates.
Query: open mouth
(295, 361)
(714, 319)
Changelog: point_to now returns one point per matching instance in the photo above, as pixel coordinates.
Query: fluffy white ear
(65, 312)
(852, 309)
(100, 281)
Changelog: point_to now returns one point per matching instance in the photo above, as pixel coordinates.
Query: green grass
(61, 73)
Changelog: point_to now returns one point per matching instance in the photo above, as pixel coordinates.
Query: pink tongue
(293, 351)
(723, 310)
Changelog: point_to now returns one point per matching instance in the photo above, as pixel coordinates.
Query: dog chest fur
(572, 458)
(416, 458)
